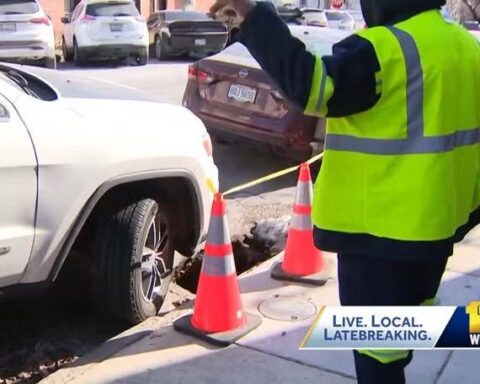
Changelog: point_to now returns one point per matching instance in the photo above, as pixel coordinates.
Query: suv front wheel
(133, 255)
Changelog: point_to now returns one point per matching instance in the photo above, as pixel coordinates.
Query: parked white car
(26, 33)
(340, 20)
(105, 29)
(103, 176)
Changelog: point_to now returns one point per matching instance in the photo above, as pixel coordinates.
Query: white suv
(26, 33)
(101, 180)
(105, 29)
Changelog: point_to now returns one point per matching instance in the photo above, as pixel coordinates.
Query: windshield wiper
(20, 80)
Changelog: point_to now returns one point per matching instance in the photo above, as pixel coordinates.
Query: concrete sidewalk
(154, 352)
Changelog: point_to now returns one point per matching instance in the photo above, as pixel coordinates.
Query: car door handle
(5, 250)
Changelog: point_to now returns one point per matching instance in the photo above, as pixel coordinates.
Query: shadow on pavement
(273, 355)
(40, 336)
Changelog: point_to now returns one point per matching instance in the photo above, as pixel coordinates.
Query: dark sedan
(236, 100)
(176, 32)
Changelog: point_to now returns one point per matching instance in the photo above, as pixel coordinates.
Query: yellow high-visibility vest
(409, 167)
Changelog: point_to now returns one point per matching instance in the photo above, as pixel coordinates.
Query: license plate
(242, 93)
(8, 27)
(200, 42)
(116, 27)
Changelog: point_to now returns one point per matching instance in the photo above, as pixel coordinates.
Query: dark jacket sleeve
(352, 66)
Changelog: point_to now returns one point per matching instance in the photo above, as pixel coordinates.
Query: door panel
(18, 191)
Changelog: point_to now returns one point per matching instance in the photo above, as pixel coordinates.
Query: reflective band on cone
(218, 314)
(302, 261)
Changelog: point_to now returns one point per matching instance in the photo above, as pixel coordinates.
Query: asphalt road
(237, 164)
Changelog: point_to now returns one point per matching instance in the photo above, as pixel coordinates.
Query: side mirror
(66, 19)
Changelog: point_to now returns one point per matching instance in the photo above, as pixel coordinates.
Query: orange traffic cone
(218, 315)
(302, 263)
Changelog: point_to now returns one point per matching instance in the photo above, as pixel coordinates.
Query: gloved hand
(241, 7)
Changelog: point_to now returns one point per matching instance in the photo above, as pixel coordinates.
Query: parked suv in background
(26, 33)
(105, 29)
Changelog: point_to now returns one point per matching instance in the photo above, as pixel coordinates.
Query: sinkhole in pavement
(266, 239)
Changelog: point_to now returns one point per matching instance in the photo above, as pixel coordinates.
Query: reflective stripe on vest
(415, 142)
(385, 356)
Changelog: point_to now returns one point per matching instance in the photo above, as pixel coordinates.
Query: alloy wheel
(153, 264)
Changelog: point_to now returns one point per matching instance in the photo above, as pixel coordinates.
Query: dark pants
(376, 281)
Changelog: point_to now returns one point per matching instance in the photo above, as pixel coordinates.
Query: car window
(173, 16)
(27, 83)
(109, 9)
(314, 18)
(16, 7)
(338, 16)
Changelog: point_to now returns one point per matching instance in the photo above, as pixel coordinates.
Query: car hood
(108, 112)
(387, 12)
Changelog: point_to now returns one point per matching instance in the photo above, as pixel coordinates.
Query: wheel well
(177, 193)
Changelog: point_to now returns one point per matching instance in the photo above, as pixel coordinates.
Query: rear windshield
(172, 16)
(337, 16)
(112, 9)
(315, 18)
(18, 7)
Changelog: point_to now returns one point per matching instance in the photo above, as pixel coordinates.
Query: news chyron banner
(424, 327)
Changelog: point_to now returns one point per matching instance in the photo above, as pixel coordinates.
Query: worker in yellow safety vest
(399, 183)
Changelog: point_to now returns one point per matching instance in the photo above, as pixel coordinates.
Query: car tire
(77, 55)
(142, 58)
(130, 278)
(67, 56)
(50, 62)
(160, 49)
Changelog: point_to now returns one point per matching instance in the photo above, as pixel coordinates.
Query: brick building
(57, 8)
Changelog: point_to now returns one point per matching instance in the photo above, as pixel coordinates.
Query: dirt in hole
(248, 252)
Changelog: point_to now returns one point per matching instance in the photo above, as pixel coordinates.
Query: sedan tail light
(40, 20)
(199, 75)
(87, 18)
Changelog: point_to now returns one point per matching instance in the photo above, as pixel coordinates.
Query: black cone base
(317, 279)
(221, 339)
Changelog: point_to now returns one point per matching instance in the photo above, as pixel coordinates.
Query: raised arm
(337, 85)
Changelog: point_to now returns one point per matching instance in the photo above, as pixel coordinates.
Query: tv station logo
(422, 327)
(473, 311)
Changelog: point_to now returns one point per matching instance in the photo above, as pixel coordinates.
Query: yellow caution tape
(211, 186)
(264, 179)
(315, 158)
